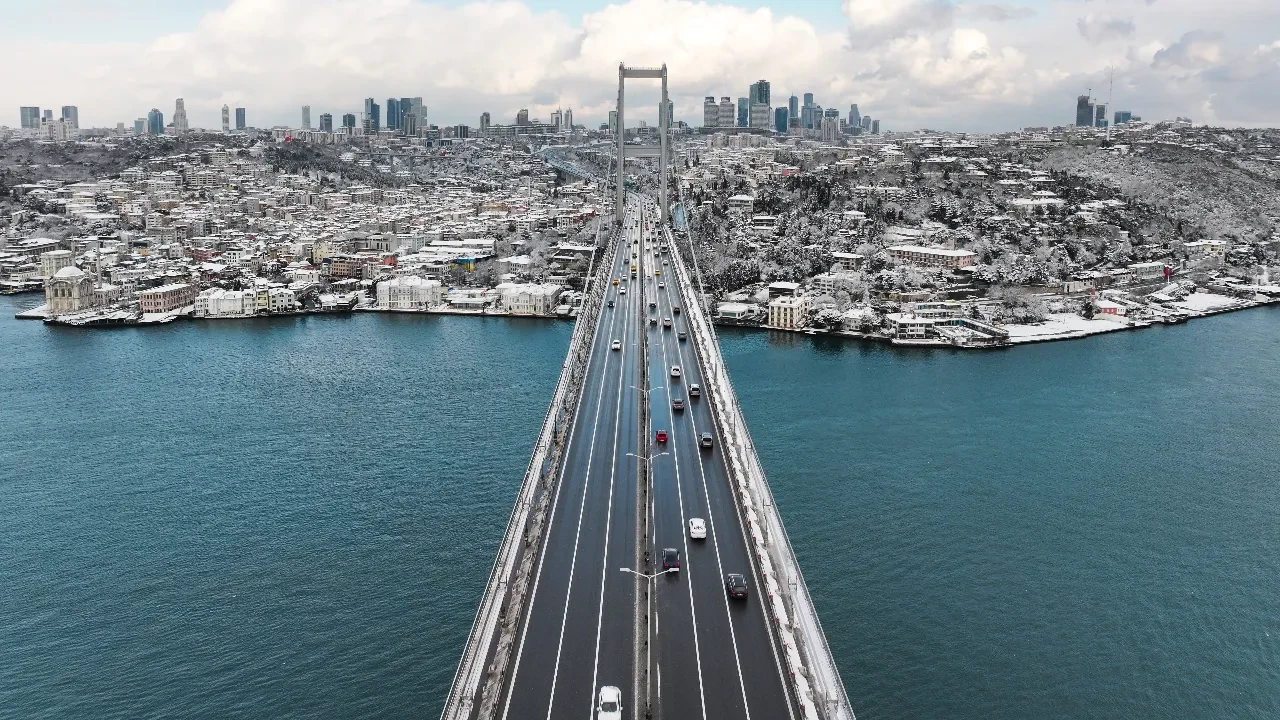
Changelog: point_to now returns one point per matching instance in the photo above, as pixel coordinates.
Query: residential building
(71, 114)
(326, 122)
(53, 261)
(30, 116)
(830, 129)
(240, 119)
(306, 117)
(931, 257)
(529, 298)
(788, 312)
(557, 118)
(484, 123)
(410, 292)
(743, 204)
(613, 121)
(167, 298)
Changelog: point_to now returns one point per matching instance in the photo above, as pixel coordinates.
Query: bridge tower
(624, 152)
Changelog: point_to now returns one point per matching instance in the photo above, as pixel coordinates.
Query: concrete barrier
(822, 693)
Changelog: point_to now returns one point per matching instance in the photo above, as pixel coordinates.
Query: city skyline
(923, 64)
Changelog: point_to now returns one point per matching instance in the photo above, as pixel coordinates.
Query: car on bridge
(678, 404)
(610, 704)
(736, 585)
(610, 303)
(706, 440)
(653, 305)
(675, 369)
(675, 309)
(661, 284)
(683, 335)
(695, 390)
(697, 528)
(660, 436)
(617, 344)
(622, 291)
(666, 323)
(671, 559)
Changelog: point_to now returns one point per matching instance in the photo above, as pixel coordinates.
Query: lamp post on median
(651, 630)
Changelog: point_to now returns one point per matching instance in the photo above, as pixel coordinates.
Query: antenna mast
(1111, 82)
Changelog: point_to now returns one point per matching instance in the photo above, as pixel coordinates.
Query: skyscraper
(393, 114)
(744, 112)
(613, 121)
(484, 122)
(727, 115)
(226, 119)
(1100, 116)
(556, 118)
(808, 98)
(326, 122)
(372, 115)
(30, 117)
(710, 112)
(155, 122)
(349, 121)
(855, 118)
(793, 108)
(1084, 111)
(875, 127)
(139, 126)
(306, 117)
(240, 120)
(781, 118)
(71, 114)
(568, 119)
(407, 105)
(1123, 117)
(408, 123)
(866, 123)
(522, 117)
(48, 116)
(810, 114)
(760, 92)
(179, 117)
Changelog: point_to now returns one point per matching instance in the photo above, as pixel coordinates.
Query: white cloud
(910, 62)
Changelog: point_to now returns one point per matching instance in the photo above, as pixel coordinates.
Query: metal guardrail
(816, 681)
(496, 621)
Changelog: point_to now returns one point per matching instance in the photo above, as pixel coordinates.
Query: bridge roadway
(711, 657)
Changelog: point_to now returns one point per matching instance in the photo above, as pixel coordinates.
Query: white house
(410, 292)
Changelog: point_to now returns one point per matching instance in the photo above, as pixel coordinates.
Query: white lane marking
(715, 544)
(608, 522)
(684, 536)
(506, 708)
(777, 659)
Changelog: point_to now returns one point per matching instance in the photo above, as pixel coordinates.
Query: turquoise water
(295, 517)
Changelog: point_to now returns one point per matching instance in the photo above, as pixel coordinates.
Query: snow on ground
(1206, 302)
(1060, 326)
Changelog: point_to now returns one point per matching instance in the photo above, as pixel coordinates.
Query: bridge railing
(807, 657)
(477, 682)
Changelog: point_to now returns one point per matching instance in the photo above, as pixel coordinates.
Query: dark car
(683, 335)
(675, 309)
(652, 305)
(653, 321)
(705, 440)
(678, 404)
(610, 303)
(670, 559)
(736, 585)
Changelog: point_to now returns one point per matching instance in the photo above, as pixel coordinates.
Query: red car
(660, 436)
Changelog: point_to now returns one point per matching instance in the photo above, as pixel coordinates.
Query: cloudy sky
(942, 64)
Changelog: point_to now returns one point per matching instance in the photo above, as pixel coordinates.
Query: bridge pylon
(664, 127)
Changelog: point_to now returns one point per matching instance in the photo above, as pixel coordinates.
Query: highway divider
(478, 680)
(815, 679)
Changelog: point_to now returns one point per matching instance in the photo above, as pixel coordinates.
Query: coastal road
(714, 657)
(578, 633)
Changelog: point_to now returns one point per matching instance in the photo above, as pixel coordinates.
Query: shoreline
(40, 312)
(1102, 327)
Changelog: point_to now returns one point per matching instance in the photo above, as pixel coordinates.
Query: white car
(622, 291)
(617, 344)
(662, 284)
(697, 528)
(610, 705)
(675, 371)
